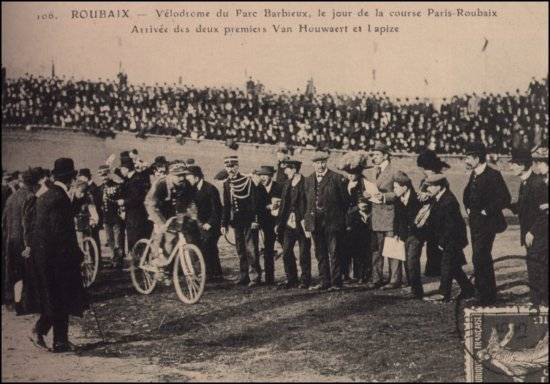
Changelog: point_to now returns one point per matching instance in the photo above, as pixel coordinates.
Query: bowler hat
(127, 163)
(292, 163)
(124, 155)
(320, 156)
(85, 172)
(435, 179)
(477, 149)
(521, 156)
(429, 160)
(265, 170)
(194, 170)
(160, 160)
(63, 167)
(381, 147)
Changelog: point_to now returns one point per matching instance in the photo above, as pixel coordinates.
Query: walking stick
(97, 323)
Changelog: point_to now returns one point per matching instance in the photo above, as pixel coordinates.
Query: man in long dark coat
(449, 228)
(135, 189)
(56, 258)
(485, 196)
(268, 190)
(209, 212)
(325, 219)
(13, 235)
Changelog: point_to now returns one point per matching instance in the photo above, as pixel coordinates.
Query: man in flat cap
(536, 238)
(291, 213)
(168, 196)
(57, 258)
(269, 196)
(383, 215)
(110, 193)
(325, 219)
(209, 210)
(240, 210)
(449, 229)
(485, 196)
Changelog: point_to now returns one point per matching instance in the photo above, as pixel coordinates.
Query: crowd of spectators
(335, 121)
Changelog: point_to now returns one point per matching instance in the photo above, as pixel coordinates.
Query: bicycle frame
(180, 243)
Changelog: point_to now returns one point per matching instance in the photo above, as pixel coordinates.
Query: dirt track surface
(243, 334)
(255, 334)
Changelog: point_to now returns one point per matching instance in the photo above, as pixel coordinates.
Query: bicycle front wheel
(189, 273)
(90, 265)
(142, 271)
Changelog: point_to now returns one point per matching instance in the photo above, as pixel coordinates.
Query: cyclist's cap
(231, 160)
(103, 170)
(177, 169)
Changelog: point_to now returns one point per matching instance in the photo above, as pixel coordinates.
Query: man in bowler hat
(485, 196)
(56, 257)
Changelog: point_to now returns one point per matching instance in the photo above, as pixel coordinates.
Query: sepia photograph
(274, 191)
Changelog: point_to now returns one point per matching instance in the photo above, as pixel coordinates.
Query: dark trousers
(357, 254)
(246, 242)
(291, 236)
(209, 249)
(328, 257)
(269, 253)
(413, 251)
(451, 268)
(537, 273)
(115, 239)
(134, 233)
(60, 325)
(485, 281)
(433, 255)
(95, 235)
(395, 266)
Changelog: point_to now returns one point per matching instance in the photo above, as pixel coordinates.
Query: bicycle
(189, 271)
(90, 265)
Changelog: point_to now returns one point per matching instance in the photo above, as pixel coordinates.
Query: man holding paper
(383, 215)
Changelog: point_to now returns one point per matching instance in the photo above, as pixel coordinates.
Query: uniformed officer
(240, 211)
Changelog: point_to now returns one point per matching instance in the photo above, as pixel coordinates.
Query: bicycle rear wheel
(143, 273)
(90, 265)
(189, 273)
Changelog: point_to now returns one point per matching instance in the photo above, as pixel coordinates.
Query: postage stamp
(508, 344)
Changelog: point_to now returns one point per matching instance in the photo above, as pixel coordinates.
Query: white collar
(43, 188)
(60, 184)
(199, 185)
(525, 175)
(438, 196)
(296, 179)
(480, 168)
(405, 197)
(269, 186)
(130, 174)
(384, 164)
(321, 175)
(90, 182)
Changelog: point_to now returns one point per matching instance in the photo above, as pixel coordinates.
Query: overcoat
(13, 240)
(56, 257)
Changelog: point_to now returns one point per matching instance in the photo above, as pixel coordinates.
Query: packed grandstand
(336, 121)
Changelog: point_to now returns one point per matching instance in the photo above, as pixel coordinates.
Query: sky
(430, 56)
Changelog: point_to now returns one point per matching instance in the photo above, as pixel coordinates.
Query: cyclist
(170, 195)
